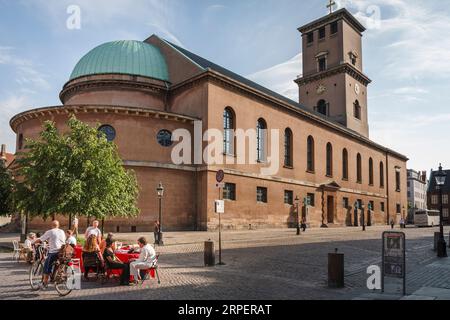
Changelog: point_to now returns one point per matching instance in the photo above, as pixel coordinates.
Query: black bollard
(210, 256)
(336, 270)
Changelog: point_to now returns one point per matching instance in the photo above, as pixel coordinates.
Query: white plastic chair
(17, 251)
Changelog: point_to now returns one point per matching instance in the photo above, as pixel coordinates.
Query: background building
(140, 92)
(417, 192)
(433, 196)
(6, 157)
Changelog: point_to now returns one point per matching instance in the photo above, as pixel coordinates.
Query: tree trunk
(70, 221)
(103, 223)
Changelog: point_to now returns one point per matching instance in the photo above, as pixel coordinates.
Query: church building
(141, 92)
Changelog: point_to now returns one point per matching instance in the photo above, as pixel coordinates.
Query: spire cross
(330, 5)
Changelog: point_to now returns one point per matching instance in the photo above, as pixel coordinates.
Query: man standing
(56, 239)
(156, 231)
(95, 231)
(145, 260)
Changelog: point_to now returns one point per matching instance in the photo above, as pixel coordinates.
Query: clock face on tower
(357, 89)
(321, 89)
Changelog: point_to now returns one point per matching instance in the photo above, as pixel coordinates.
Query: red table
(123, 256)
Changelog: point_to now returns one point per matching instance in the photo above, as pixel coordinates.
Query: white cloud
(98, 14)
(10, 106)
(280, 78)
(24, 70)
(418, 43)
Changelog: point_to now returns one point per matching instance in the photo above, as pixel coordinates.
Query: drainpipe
(387, 190)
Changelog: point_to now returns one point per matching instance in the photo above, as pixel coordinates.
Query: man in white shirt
(28, 246)
(56, 239)
(145, 260)
(95, 231)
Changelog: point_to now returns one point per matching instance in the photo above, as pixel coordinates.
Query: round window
(109, 132)
(164, 138)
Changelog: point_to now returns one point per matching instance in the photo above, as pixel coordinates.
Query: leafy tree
(78, 172)
(6, 188)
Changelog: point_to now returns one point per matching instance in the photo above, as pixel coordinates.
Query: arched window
(329, 160)
(288, 148)
(322, 107)
(358, 169)
(381, 174)
(345, 164)
(357, 110)
(310, 154)
(20, 142)
(261, 140)
(228, 131)
(371, 172)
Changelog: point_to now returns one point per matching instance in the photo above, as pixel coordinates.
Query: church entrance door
(330, 209)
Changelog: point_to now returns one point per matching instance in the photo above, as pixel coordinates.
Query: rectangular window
(397, 181)
(261, 194)
(445, 199)
(310, 37)
(382, 206)
(445, 213)
(311, 200)
(434, 199)
(288, 197)
(322, 33)
(229, 191)
(372, 205)
(399, 208)
(334, 27)
(322, 64)
(345, 203)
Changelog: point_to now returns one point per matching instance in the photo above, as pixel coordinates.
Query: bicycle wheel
(35, 274)
(64, 280)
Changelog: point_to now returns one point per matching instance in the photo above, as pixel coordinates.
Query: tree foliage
(6, 188)
(78, 172)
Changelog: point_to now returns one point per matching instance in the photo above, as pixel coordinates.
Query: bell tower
(333, 83)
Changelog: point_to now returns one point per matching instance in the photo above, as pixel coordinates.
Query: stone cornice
(74, 87)
(342, 68)
(340, 14)
(100, 109)
(231, 172)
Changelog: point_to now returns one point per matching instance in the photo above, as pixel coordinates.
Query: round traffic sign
(220, 175)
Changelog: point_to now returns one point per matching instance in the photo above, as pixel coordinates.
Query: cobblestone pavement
(263, 264)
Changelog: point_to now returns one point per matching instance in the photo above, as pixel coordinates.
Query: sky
(406, 52)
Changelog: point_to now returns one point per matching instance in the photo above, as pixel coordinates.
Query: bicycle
(62, 273)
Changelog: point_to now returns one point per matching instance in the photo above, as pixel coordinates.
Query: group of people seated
(100, 253)
(96, 252)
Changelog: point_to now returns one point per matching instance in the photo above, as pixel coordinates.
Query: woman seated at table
(110, 236)
(112, 262)
(92, 257)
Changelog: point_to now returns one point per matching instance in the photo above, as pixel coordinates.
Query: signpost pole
(219, 178)
(220, 232)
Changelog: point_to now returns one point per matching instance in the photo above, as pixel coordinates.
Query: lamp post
(160, 192)
(440, 182)
(297, 200)
(362, 217)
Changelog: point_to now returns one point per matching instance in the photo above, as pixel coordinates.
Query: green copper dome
(123, 57)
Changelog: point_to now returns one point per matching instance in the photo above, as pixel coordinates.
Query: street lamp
(441, 245)
(160, 192)
(297, 200)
